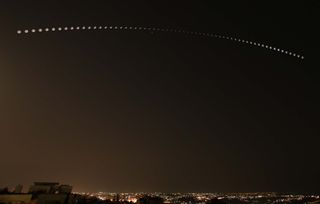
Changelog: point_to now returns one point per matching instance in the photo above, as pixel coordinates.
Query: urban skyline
(56, 193)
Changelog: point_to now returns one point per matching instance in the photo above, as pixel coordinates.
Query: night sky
(131, 111)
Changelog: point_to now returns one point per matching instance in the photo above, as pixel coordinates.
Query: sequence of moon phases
(139, 28)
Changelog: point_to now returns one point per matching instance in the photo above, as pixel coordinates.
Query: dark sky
(151, 111)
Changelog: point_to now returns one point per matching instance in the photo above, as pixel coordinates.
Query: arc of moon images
(154, 29)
